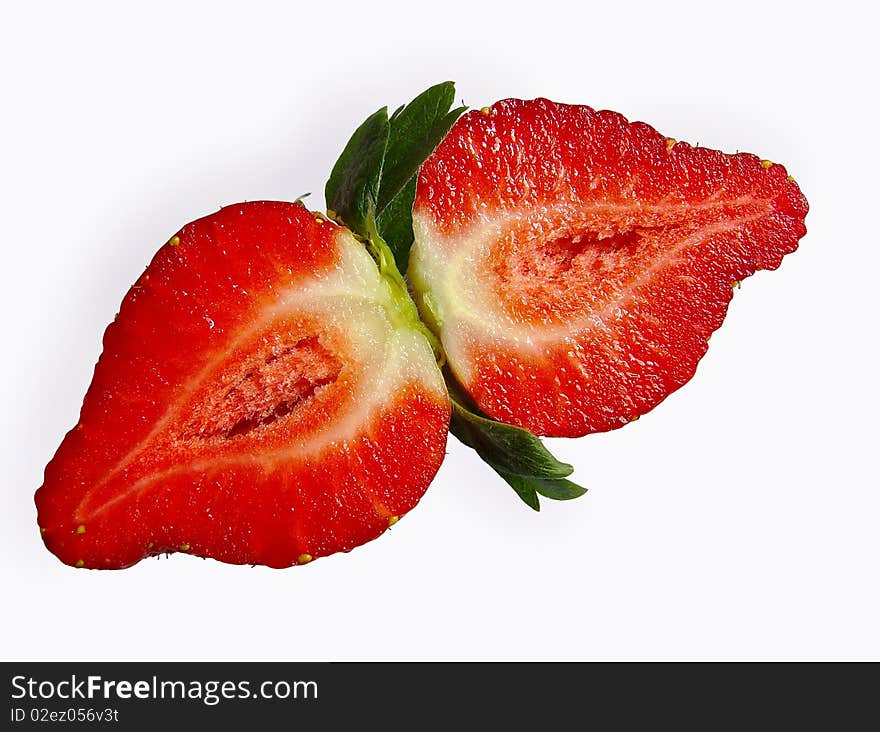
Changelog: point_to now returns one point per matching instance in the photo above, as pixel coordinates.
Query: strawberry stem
(407, 314)
(371, 191)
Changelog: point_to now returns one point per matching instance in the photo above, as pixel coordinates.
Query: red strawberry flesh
(574, 264)
(257, 402)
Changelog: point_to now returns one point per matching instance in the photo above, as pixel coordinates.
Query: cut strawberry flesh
(257, 402)
(574, 264)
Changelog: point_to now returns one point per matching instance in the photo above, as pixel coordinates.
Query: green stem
(409, 312)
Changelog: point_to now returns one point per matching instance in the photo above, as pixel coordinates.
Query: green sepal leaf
(523, 488)
(558, 489)
(352, 191)
(517, 455)
(416, 129)
(395, 224)
(508, 449)
(376, 173)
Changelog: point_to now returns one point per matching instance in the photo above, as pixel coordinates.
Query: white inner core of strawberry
(311, 369)
(269, 386)
(531, 278)
(541, 278)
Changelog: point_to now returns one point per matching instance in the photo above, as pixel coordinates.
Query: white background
(738, 520)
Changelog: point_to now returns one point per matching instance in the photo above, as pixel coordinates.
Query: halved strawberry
(264, 397)
(574, 264)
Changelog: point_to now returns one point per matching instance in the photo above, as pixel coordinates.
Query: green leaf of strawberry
(353, 187)
(415, 131)
(507, 448)
(376, 173)
(519, 457)
(395, 223)
(528, 489)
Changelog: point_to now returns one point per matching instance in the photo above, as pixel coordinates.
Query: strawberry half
(575, 264)
(264, 397)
